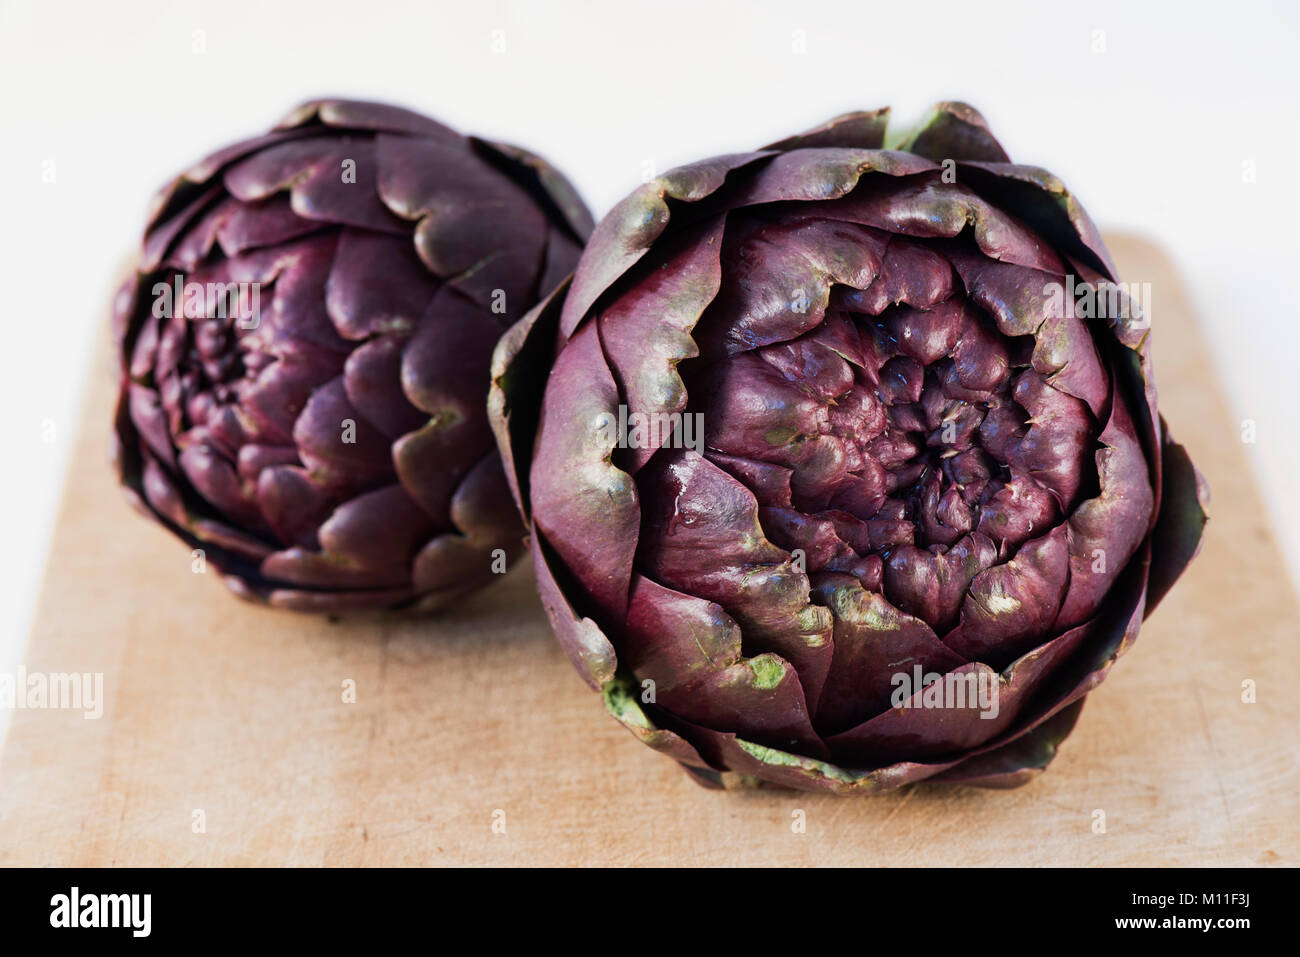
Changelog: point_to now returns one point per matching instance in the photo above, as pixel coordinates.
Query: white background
(1150, 113)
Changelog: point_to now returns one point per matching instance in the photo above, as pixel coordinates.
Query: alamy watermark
(129, 911)
(1102, 300)
(241, 301)
(652, 430)
(957, 690)
(66, 691)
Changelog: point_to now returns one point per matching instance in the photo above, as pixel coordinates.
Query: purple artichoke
(304, 353)
(842, 463)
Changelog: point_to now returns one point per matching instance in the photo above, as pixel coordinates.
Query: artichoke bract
(304, 351)
(842, 463)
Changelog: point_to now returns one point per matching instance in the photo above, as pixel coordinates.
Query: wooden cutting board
(474, 717)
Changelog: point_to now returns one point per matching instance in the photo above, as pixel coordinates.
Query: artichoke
(842, 463)
(304, 351)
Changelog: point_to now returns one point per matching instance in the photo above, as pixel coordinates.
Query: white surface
(1151, 132)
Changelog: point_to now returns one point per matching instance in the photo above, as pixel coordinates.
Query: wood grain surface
(215, 706)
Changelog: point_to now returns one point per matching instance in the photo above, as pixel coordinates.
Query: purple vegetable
(304, 352)
(842, 464)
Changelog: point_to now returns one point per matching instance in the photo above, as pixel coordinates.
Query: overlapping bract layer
(319, 430)
(920, 456)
